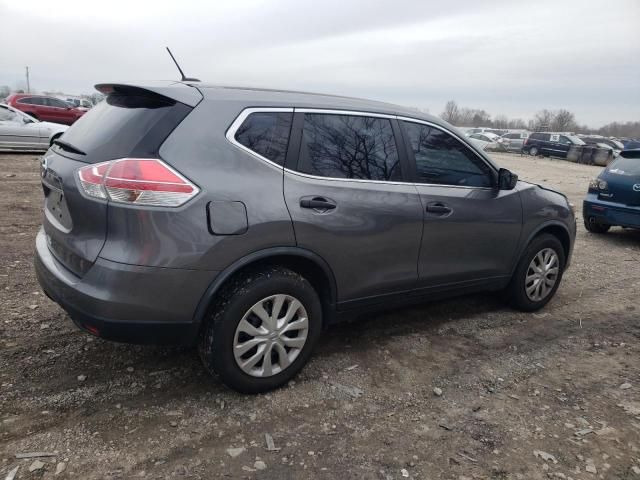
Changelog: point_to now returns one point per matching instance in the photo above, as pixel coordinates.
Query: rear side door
(471, 229)
(58, 110)
(42, 111)
(346, 190)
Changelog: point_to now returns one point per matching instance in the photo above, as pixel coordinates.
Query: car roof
(258, 97)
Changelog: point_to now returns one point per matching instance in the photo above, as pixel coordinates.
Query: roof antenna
(183, 79)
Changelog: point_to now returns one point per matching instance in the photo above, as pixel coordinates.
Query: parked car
(471, 131)
(550, 144)
(247, 220)
(19, 131)
(631, 144)
(485, 141)
(604, 143)
(513, 141)
(613, 198)
(47, 109)
(81, 103)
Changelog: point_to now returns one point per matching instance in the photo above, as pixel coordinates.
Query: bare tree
(543, 119)
(451, 113)
(517, 123)
(563, 121)
(501, 121)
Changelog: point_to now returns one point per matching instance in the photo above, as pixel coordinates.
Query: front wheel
(262, 330)
(594, 226)
(538, 274)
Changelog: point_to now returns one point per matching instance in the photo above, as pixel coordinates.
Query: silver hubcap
(270, 335)
(542, 274)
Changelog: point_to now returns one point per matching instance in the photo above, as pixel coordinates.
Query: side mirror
(26, 120)
(506, 179)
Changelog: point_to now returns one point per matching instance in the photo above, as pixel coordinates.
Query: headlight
(598, 185)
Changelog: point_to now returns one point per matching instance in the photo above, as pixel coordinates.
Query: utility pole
(28, 86)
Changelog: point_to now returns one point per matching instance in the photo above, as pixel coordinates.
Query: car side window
(349, 146)
(565, 141)
(54, 102)
(267, 134)
(442, 159)
(7, 115)
(27, 101)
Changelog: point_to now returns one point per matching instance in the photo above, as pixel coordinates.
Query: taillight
(137, 181)
(526, 140)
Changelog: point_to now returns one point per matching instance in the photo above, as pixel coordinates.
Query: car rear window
(125, 125)
(625, 166)
(267, 134)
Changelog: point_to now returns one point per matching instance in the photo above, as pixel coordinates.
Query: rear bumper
(611, 213)
(126, 303)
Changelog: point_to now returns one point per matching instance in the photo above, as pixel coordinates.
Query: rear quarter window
(267, 134)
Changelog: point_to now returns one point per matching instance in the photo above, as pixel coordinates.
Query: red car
(47, 109)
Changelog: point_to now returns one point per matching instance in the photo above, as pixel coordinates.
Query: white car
(19, 131)
(485, 141)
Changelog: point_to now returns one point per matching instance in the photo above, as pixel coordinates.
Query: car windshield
(625, 166)
(576, 140)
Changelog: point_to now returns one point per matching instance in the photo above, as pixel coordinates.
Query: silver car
(19, 131)
(513, 141)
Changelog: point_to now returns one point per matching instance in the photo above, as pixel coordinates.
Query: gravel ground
(519, 396)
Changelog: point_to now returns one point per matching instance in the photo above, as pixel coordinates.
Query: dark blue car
(614, 197)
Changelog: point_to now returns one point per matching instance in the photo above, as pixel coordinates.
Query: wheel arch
(305, 262)
(558, 230)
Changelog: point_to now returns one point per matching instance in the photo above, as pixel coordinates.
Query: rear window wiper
(68, 147)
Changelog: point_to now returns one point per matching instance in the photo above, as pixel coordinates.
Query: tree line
(550, 120)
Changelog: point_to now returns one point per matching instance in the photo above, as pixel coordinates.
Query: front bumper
(610, 213)
(126, 303)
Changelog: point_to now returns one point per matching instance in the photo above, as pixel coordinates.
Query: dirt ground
(524, 396)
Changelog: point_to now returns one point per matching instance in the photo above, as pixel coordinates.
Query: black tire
(235, 300)
(593, 226)
(516, 291)
(533, 151)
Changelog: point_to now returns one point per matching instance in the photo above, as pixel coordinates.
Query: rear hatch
(130, 122)
(623, 179)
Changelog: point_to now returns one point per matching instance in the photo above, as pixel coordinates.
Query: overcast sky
(507, 57)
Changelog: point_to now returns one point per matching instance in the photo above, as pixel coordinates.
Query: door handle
(438, 208)
(317, 203)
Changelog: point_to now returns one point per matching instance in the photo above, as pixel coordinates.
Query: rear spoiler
(178, 91)
(633, 153)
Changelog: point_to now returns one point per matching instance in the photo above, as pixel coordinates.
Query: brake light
(137, 181)
(526, 140)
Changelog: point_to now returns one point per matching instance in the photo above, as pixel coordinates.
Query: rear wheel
(262, 330)
(594, 226)
(538, 274)
(533, 151)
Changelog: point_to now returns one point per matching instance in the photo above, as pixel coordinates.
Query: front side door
(471, 229)
(345, 189)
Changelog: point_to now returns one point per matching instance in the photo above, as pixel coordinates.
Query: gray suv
(245, 221)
